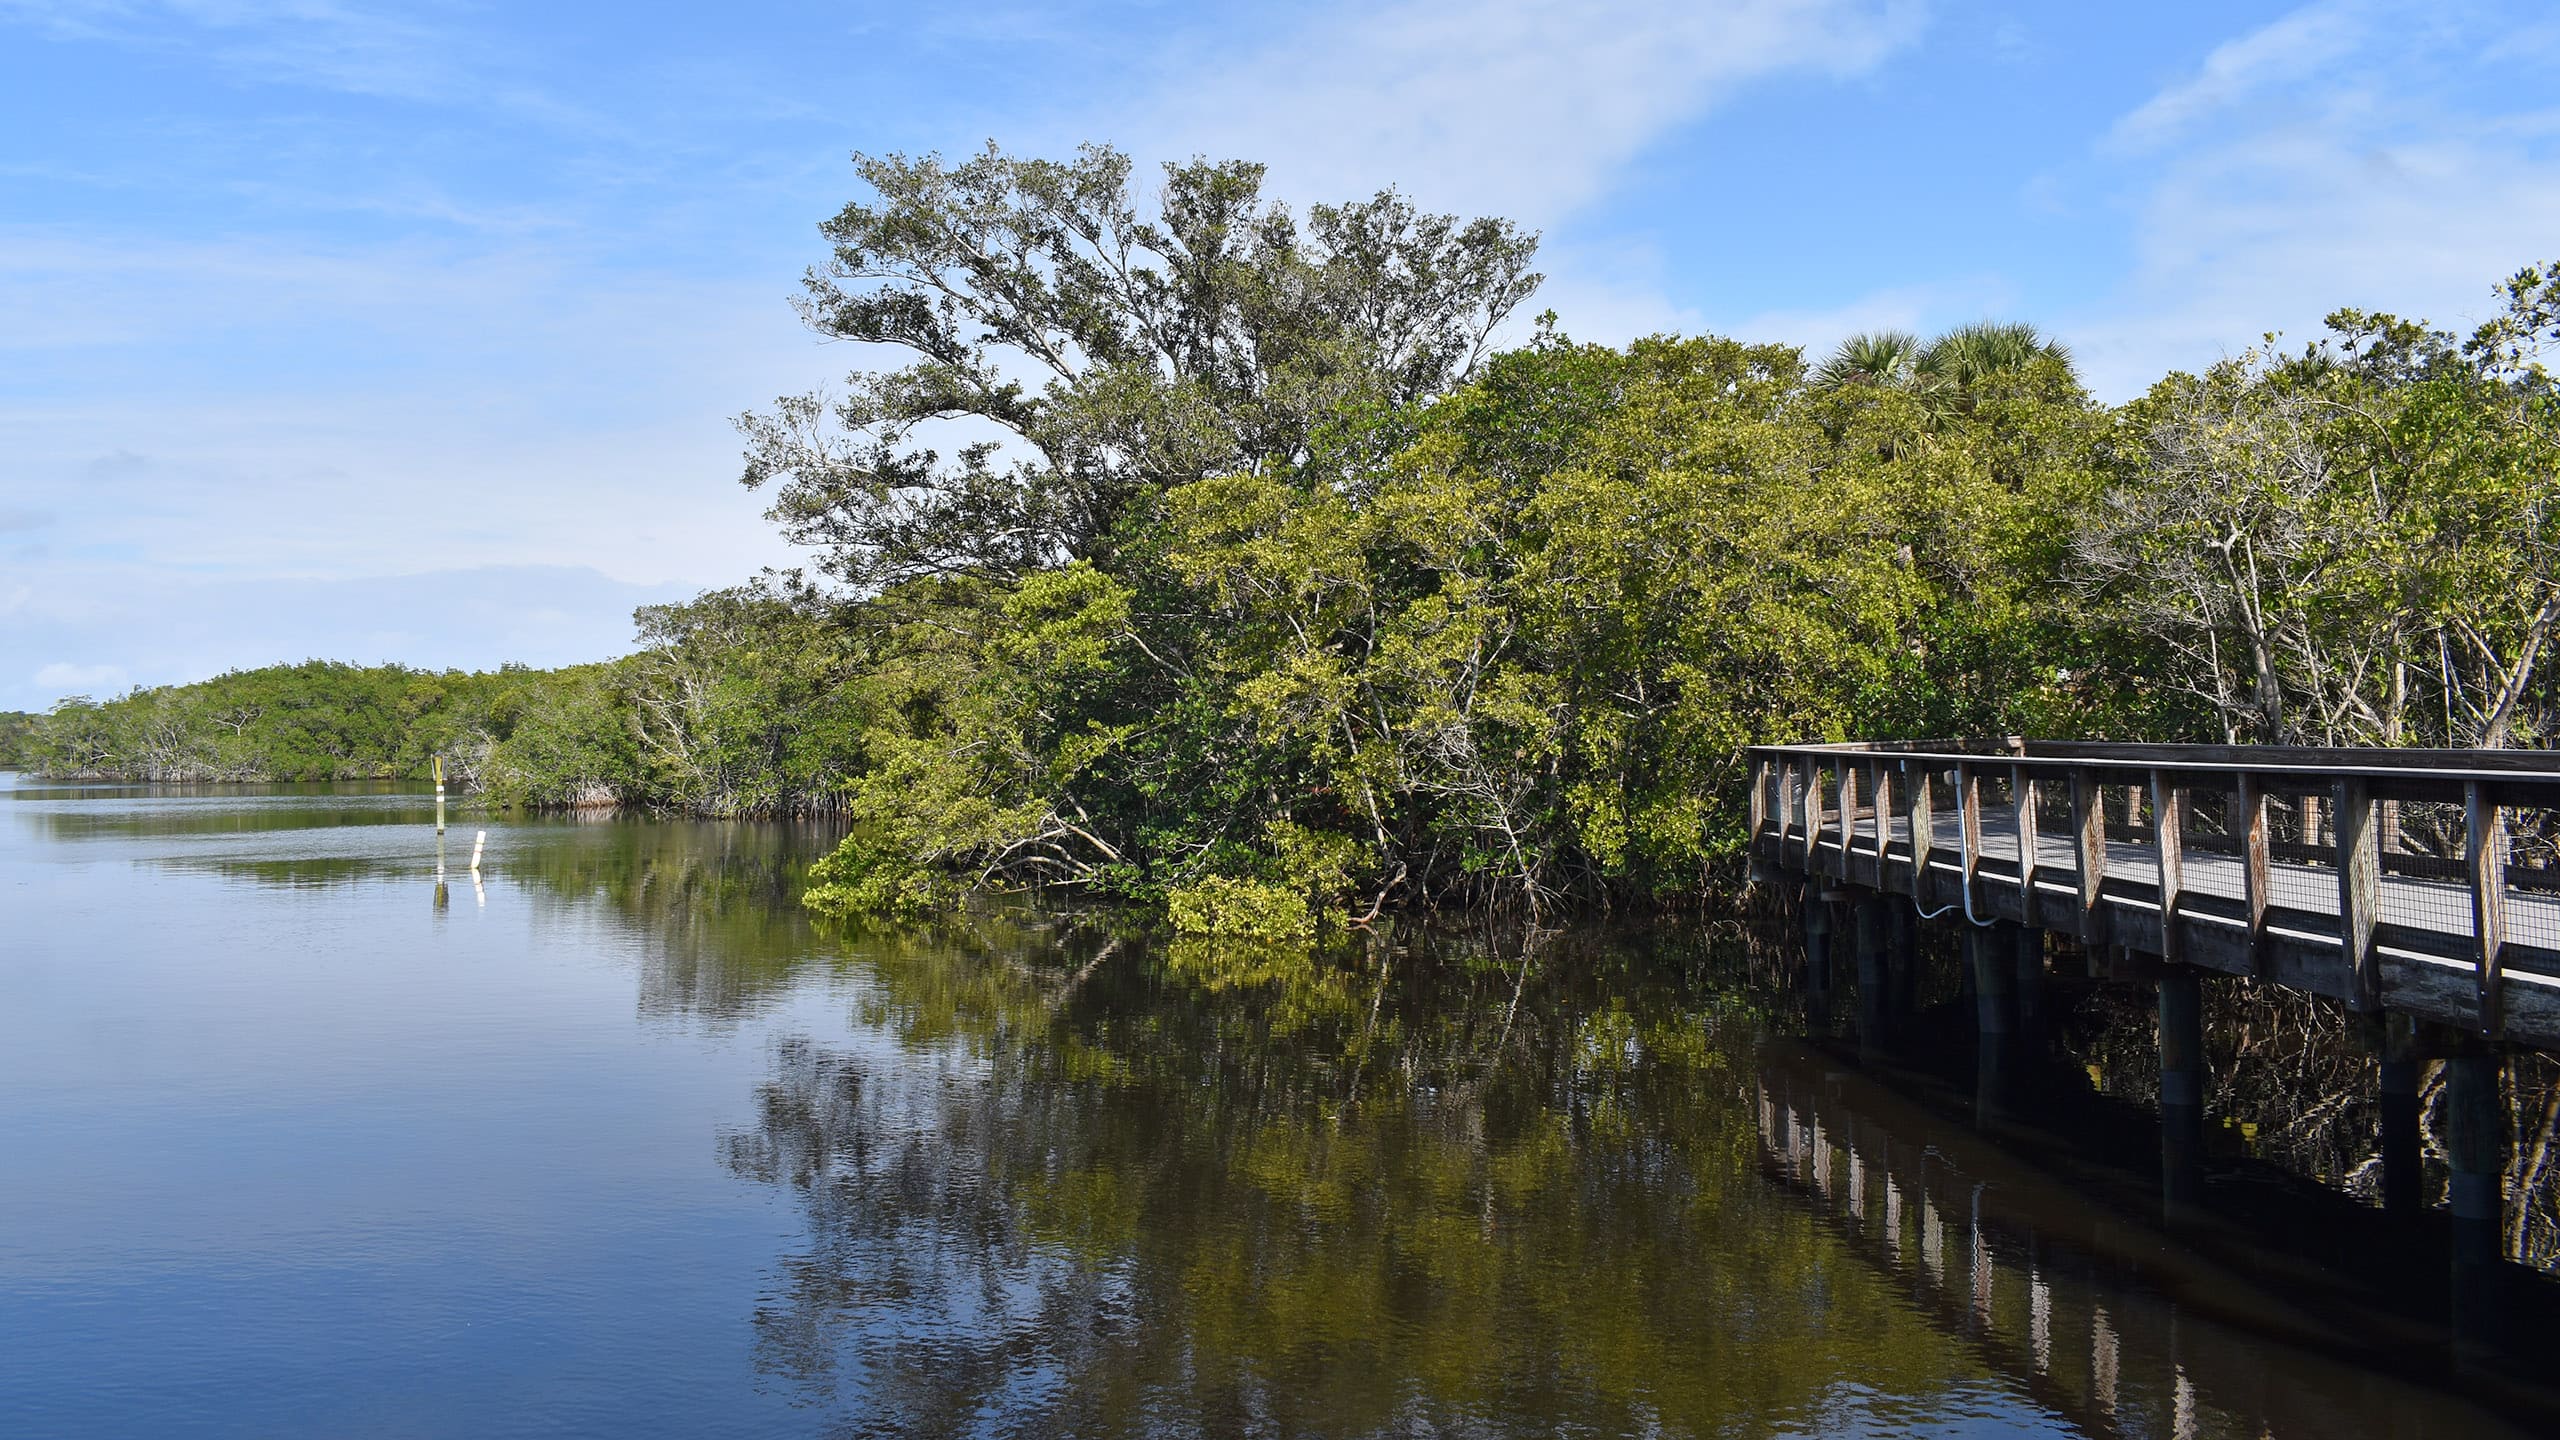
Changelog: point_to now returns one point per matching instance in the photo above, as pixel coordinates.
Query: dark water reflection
(619, 1143)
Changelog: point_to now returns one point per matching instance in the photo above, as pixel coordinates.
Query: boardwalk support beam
(1875, 990)
(1817, 949)
(2181, 1091)
(2029, 959)
(2475, 1146)
(2403, 1162)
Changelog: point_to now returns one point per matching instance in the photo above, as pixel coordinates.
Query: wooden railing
(2243, 885)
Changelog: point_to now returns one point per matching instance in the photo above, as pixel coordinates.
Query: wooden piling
(1875, 990)
(2403, 1163)
(2181, 1091)
(2027, 944)
(2475, 1149)
(1817, 952)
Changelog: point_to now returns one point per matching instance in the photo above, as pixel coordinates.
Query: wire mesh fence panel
(2054, 853)
(2204, 814)
(1999, 834)
(2213, 878)
(2426, 890)
(2422, 837)
(2532, 900)
(2302, 848)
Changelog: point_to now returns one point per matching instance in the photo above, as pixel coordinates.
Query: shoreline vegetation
(1190, 551)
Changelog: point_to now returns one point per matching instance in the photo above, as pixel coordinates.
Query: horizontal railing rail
(2314, 857)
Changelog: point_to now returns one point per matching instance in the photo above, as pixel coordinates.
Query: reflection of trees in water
(710, 904)
(915, 1264)
(1261, 1192)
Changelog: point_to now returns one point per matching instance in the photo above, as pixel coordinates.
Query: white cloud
(357, 48)
(1522, 108)
(2383, 178)
(2299, 46)
(1526, 109)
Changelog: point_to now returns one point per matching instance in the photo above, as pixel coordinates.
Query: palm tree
(1970, 354)
(1945, 376)
(1886, 358)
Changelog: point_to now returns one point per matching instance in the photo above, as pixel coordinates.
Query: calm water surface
(614, 1142)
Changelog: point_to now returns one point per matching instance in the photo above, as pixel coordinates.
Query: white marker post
(478, 838)
(439, 794)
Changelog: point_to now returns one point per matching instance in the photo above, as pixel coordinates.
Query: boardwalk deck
(2471, 940)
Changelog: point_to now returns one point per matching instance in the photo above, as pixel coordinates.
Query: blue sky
(411, 331)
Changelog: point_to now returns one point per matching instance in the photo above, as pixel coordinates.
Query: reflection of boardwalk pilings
(2054, 1298)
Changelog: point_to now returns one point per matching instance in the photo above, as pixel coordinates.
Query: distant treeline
(319, 720)
(1286, 596)
(586, 735)
(16, 726)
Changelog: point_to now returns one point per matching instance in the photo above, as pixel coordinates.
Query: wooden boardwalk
(2309, 868)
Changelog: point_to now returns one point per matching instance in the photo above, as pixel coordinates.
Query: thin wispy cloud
(359, 49)
(2297, 48)
(2349, 162)
(1523, 108)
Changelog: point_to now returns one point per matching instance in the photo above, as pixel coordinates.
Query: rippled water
(295, 1141)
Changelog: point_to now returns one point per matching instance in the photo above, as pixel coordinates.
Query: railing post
(1881, 782)
(1760, 781)
(2089, 821)
(2249, 832)
(1788, 814)
(2168, 813)
(2486, 848)
(1848, 813)
(1923, 833)
(2359, 890)
(1812, 811)
(2022, 799)
(1969, 813)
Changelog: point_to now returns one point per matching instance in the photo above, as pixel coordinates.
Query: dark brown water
(614, 1141)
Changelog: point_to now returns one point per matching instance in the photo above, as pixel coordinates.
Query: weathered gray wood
(1813, 813)
(2022, 800)
(2359, 889)
(2168, 814)
(2089, 826)
(1969, 808)
(1881, 782)
(1848, 812)
(1760, 778)
(2485, 846)
(2251, 834)
(2253, 907)
(2514, 777)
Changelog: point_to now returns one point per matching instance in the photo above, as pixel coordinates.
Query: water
(614, 1141)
